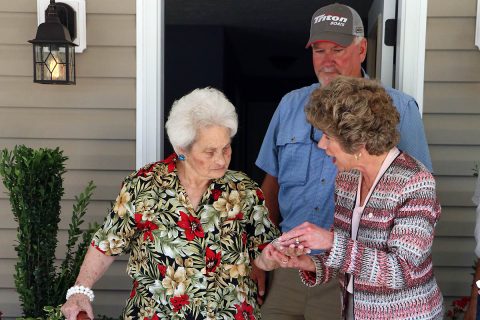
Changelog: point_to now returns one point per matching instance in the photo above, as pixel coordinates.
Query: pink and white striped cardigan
(391, 259)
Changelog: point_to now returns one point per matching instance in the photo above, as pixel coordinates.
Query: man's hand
(259, 277)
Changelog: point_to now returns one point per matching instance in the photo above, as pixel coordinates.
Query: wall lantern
(53, 49)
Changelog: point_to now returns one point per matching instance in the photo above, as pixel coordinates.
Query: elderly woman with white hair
(192, 227)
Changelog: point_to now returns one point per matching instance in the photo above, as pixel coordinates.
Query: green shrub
(34, 180)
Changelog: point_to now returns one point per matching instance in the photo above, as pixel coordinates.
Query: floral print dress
(186, 263)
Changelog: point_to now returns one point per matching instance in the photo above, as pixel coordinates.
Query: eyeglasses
(312, 135)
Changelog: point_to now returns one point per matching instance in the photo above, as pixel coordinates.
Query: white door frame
(410, 66)
(149, 81)
(411, 35)
(380, 11)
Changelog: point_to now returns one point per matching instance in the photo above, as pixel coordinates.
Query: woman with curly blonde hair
(386, 210)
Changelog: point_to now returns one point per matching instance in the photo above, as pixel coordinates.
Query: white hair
(198, 109)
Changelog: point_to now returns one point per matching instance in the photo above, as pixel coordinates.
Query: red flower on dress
(170, 161)
(179, 301)
(260, 195)
(216, 194)
(148, 226)
(244, 238)
(134, 289)
(238, 216)
(155, 317)
(212, 260)
(162, 269)
(262, 246)
(244, 312)
(144, 171)
(97, 247)
(191, 225)
(148, 234)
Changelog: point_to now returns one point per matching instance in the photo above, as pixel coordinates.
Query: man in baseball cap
(299, 181)
(336, 23)
(337, 42)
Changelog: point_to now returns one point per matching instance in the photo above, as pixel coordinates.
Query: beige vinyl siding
(93, 122)
(452, 123)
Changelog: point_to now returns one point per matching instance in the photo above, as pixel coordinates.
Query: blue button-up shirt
(305, 174)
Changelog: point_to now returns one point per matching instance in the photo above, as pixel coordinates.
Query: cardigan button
(370, 215)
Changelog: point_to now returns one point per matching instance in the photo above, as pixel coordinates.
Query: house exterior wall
(452, 124)
(92, 121)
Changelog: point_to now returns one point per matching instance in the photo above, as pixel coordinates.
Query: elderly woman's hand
(290, 257)
(274, 256)
(270, 258)
(76, 304)
(302, 262)
(307, 235)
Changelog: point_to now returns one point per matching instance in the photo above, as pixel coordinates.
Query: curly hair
(355, 112)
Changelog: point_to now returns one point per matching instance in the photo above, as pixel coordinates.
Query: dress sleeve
(260, 230)
(322, 273)
(408, 248)
(115, 235)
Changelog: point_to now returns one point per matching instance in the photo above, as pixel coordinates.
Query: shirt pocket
(294, 159)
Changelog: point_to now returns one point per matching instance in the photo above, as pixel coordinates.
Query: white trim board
(477, 26)
(381, 11)
(411, 34)
(149, 89)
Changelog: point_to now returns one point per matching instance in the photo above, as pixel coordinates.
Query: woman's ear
(180, 153)
(363, 148)
(179, 150)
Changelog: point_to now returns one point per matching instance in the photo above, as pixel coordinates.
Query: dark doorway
(254, 51)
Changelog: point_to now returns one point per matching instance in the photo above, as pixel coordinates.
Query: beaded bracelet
(80, 290)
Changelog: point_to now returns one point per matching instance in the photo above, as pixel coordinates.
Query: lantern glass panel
(71, 66)
(60, 53)
(39, 71)
(40, 53)
(55, 63)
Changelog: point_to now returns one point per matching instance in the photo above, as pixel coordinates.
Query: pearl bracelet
(80, 290)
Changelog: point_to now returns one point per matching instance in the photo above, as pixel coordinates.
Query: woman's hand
(270, 258)
(302, 262)
(75, 304)
(307, 235)
(273, 257)
(93, 267)
(291, 257)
